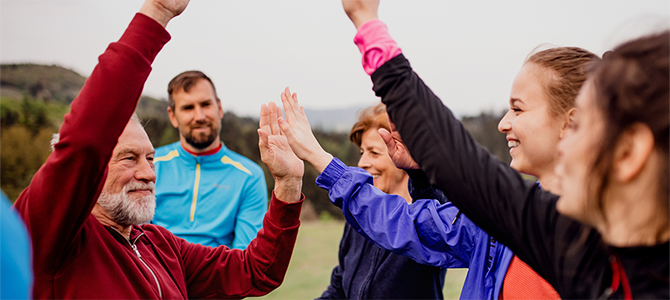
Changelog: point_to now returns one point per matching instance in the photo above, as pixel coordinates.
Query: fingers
(388, 139)
(262, 138)
(391, 125)
(279, 116)
(289, 105)
(274, 127)
(264, 122)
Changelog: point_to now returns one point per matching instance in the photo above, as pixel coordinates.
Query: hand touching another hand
(360, 11)
(286, 168)
(397, 149)
(299, 133)
(163, 10)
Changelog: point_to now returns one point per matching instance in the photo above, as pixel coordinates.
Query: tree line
(34, 99)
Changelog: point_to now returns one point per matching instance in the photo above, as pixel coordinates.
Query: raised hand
(360, 11)
(163, 10)
(286, 168)
(299, 133)
(397, 149)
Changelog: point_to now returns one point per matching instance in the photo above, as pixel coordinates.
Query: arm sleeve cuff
(375, 44)
(285, 214)
(331, 174)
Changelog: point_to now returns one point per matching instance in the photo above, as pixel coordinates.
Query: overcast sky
(468, 52)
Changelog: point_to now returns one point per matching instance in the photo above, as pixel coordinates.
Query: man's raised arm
(63, 192)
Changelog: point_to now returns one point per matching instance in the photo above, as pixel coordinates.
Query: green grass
(315, 256)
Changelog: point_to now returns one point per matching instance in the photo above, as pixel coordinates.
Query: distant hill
(339, 120)
(40, 82)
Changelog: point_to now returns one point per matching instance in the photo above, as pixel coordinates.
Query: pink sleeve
(376, 45)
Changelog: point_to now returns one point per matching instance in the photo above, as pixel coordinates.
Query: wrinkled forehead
(134, 138)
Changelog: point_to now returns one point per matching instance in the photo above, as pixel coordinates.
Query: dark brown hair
(631, 87)
(185, 81)
(569, 65)
(371, 117)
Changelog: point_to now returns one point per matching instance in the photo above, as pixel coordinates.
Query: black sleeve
(335, 290)
(516, 212)
(420, 188)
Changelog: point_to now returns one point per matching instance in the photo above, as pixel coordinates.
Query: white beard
(127, 211)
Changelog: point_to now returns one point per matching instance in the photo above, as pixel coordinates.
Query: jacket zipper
(195, 191)
(137, 252)
(160, 293)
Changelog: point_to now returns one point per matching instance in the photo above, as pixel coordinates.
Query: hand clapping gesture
(299, 133)
(286, 168)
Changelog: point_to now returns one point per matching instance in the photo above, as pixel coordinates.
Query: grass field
(314, 257)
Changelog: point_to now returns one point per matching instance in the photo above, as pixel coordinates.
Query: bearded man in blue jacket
(205, 193)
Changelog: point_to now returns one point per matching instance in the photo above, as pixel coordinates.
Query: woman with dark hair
(607, 235)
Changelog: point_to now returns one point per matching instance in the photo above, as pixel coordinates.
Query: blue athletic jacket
(422, 231)
(16, 276)
(213, 200)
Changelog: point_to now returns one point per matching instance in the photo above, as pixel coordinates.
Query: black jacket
(569, 255)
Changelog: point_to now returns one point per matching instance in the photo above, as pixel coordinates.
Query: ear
(569, 118)
(632, 152)
(218, 101)
(173, 118)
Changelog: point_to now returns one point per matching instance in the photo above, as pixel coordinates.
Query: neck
(634, 218)
(401, 189)
(211, 149)
(103, 217)
(549, 183)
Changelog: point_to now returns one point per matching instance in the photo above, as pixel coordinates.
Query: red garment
(75, 256)
(521, 282)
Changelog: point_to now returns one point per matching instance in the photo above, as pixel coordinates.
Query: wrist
(320, 160)
(361, 18)
(288, 189)
(159, 14)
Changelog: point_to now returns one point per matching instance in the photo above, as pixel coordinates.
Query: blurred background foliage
(34, 98)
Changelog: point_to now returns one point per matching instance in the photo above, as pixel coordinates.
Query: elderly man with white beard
(85, 206)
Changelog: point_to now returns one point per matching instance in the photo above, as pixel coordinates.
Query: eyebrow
(131, 151)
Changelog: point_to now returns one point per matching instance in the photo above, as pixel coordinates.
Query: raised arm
(261, 267)
(422, 231)
(64, 190)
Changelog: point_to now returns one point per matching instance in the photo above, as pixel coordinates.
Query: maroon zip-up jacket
(75, 256)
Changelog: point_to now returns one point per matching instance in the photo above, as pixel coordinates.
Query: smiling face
(577, 156)
(376, 160)
(128, 194)
(532, 130)
(197, 115)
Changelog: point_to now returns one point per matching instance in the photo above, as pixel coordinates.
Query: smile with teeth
(375, 176)
(513, 144)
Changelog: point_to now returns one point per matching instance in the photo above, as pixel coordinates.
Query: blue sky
(468, 52)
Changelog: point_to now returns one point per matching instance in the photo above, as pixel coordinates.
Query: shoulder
(242, 163)
(166, 153)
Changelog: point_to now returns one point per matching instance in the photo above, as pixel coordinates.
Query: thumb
(286, 129)
(388, 139)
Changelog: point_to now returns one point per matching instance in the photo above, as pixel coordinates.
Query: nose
(145, 171)
(505, 123)
(200, 114)
(364, 162)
